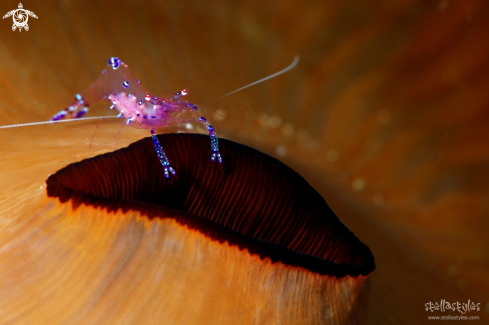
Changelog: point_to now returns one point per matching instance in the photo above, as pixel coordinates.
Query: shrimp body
(139, 109)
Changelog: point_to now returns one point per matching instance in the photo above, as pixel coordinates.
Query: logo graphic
(20, 16)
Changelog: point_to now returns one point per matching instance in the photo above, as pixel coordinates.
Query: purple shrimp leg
(214, 142)
(76, 110)
(212, 134)
(161, 155)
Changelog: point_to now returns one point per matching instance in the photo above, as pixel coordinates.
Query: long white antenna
(59, 121)
(291, 66)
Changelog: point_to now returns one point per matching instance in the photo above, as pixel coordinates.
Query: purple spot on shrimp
(125, 84)
(59, 116)
(139, 82)
(81, 112)
(104, 72)
(114, 62)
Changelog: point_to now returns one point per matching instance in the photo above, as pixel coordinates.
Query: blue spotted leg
(215, 155)
(162, 156)
(214, 142)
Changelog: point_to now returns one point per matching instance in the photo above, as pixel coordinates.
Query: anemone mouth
(254, 201)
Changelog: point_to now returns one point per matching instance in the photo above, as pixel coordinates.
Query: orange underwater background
(386, 116)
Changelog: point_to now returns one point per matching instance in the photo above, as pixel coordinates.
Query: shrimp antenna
(59, 121)
(291, 66)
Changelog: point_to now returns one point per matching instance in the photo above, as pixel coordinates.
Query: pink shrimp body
(119, 85)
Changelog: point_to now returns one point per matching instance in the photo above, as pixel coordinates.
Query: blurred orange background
(386, 114)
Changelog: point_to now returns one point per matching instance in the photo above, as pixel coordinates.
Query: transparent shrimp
(139, 109)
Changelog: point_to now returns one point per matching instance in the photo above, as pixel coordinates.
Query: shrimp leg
(215, 155)
(162, 156)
